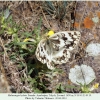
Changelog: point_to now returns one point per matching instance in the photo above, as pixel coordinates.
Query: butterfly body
(56, 49)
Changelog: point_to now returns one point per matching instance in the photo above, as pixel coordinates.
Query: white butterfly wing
(57, 49)
(65, 39)
(63, 43)
(41, 53)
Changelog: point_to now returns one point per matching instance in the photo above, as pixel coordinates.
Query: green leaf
(27, 34)
(50, 5)
(6, 13)
(37, 91)
(30, 71)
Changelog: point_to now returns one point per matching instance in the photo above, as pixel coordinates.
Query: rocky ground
(86, 20)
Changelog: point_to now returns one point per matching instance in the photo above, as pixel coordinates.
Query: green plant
(60, 88)
(88, 89)
(8, 26)
(57, 9)
(21, 50)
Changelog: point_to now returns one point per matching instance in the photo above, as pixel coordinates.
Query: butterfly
(56, 49)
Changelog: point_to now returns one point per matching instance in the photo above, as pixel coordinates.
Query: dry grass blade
(4, 85)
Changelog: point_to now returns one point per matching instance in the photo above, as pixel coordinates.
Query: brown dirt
(28, 13)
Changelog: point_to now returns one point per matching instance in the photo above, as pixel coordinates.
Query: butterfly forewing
(65, 39)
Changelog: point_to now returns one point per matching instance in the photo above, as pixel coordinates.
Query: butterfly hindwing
(41, 52)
